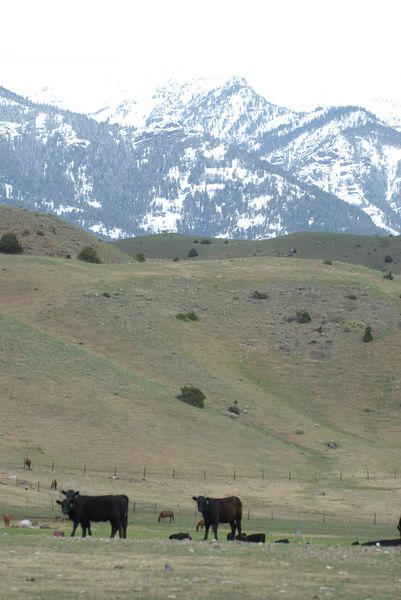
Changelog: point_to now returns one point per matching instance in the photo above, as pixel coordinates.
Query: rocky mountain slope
(209, 158)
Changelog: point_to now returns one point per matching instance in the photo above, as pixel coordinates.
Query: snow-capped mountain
(208, 157)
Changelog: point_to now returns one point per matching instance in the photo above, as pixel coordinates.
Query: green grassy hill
(92, 358)
(366, 250)
(43, 234)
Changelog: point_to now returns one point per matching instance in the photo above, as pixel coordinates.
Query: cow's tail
(125, 516)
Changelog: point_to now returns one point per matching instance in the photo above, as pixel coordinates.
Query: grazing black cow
(283, 541)
(179, 536)
(84, 509)
(220, 510)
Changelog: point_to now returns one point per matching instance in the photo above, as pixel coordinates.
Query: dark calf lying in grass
(180, 536)
(255, 538)
(396, 542)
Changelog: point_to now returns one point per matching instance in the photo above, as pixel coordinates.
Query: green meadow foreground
(146, 565)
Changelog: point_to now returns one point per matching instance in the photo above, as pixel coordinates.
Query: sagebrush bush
(388, 275)
(193, 252)
(367, 336)
(303, 316)
(89, 254)
(189, 316)
(388, 258)
(9, 243)
(258, 295)
(193, 396)
(140, 257)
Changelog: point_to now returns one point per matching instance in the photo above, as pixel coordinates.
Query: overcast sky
(298, 53)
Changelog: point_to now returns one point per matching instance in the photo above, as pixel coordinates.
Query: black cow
(180, 536)
(220, 510)
(399, 526)
(396, 542)
(283, 541)
(84, 509)
(254, 538)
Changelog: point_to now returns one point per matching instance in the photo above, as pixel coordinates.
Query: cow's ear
(76, 494)
(207, 500)
(63, 492)
(195, 498)
(58, 502)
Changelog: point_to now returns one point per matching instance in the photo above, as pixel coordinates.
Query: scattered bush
(205, 241)
(176, 259)
(140, 257)
(235, 408)
(195, 242)
(367, 336)
(192, 395)
(40, 232)
(388, 258)
(303, 316)
(190, 316)
(388, 275)
(89, 254)
(259, 295)
(327, 261)
(9, 243)
(351, 297)
(192, 253)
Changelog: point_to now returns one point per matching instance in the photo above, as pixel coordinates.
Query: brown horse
(200, 525)
(27, 463)
(6, 520)
(53, 485)
(166, 514)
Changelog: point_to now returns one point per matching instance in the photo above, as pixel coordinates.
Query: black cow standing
(84, 509)
(220, 510)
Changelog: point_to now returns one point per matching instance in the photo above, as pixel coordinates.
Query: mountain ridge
(219, 161)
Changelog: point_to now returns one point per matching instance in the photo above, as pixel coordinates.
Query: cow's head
(202, 502)
(68, 503)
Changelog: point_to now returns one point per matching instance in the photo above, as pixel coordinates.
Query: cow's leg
(214, 527)
(239, 526)
(206, 531)
(74, 528)
(233, 527)
(125, 523)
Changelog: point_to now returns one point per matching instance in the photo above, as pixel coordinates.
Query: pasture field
(148, 566)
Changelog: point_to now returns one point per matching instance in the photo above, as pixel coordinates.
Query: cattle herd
(82, 510)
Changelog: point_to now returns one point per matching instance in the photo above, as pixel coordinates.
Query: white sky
(298, 53)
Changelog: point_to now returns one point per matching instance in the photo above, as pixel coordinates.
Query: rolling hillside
(43, 234)
(366, 250)
(93, 356)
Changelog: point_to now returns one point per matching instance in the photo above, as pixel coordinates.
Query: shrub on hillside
(327, 261)
(235, 408)
(140, 257)
(9, 243)
(89, 254)
(388, 258)
(192, 253)
(303, 316)
(388, 275)
(189, 316)
(192, 395)
(367, 336)
(206, 241)
(259, 295)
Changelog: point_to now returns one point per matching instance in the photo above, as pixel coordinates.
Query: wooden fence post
(204, 475)
(374, 519)
(52, 466)
(367, 474)
(234, 475)
(289, 475)
(84, 470)
(248, 514)
(173, 473)
(115, 470)
(144, 471)
(263, 474)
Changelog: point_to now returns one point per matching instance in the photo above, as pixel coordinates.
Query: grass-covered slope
(43, 234)
(92, 357)
(367, 250)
